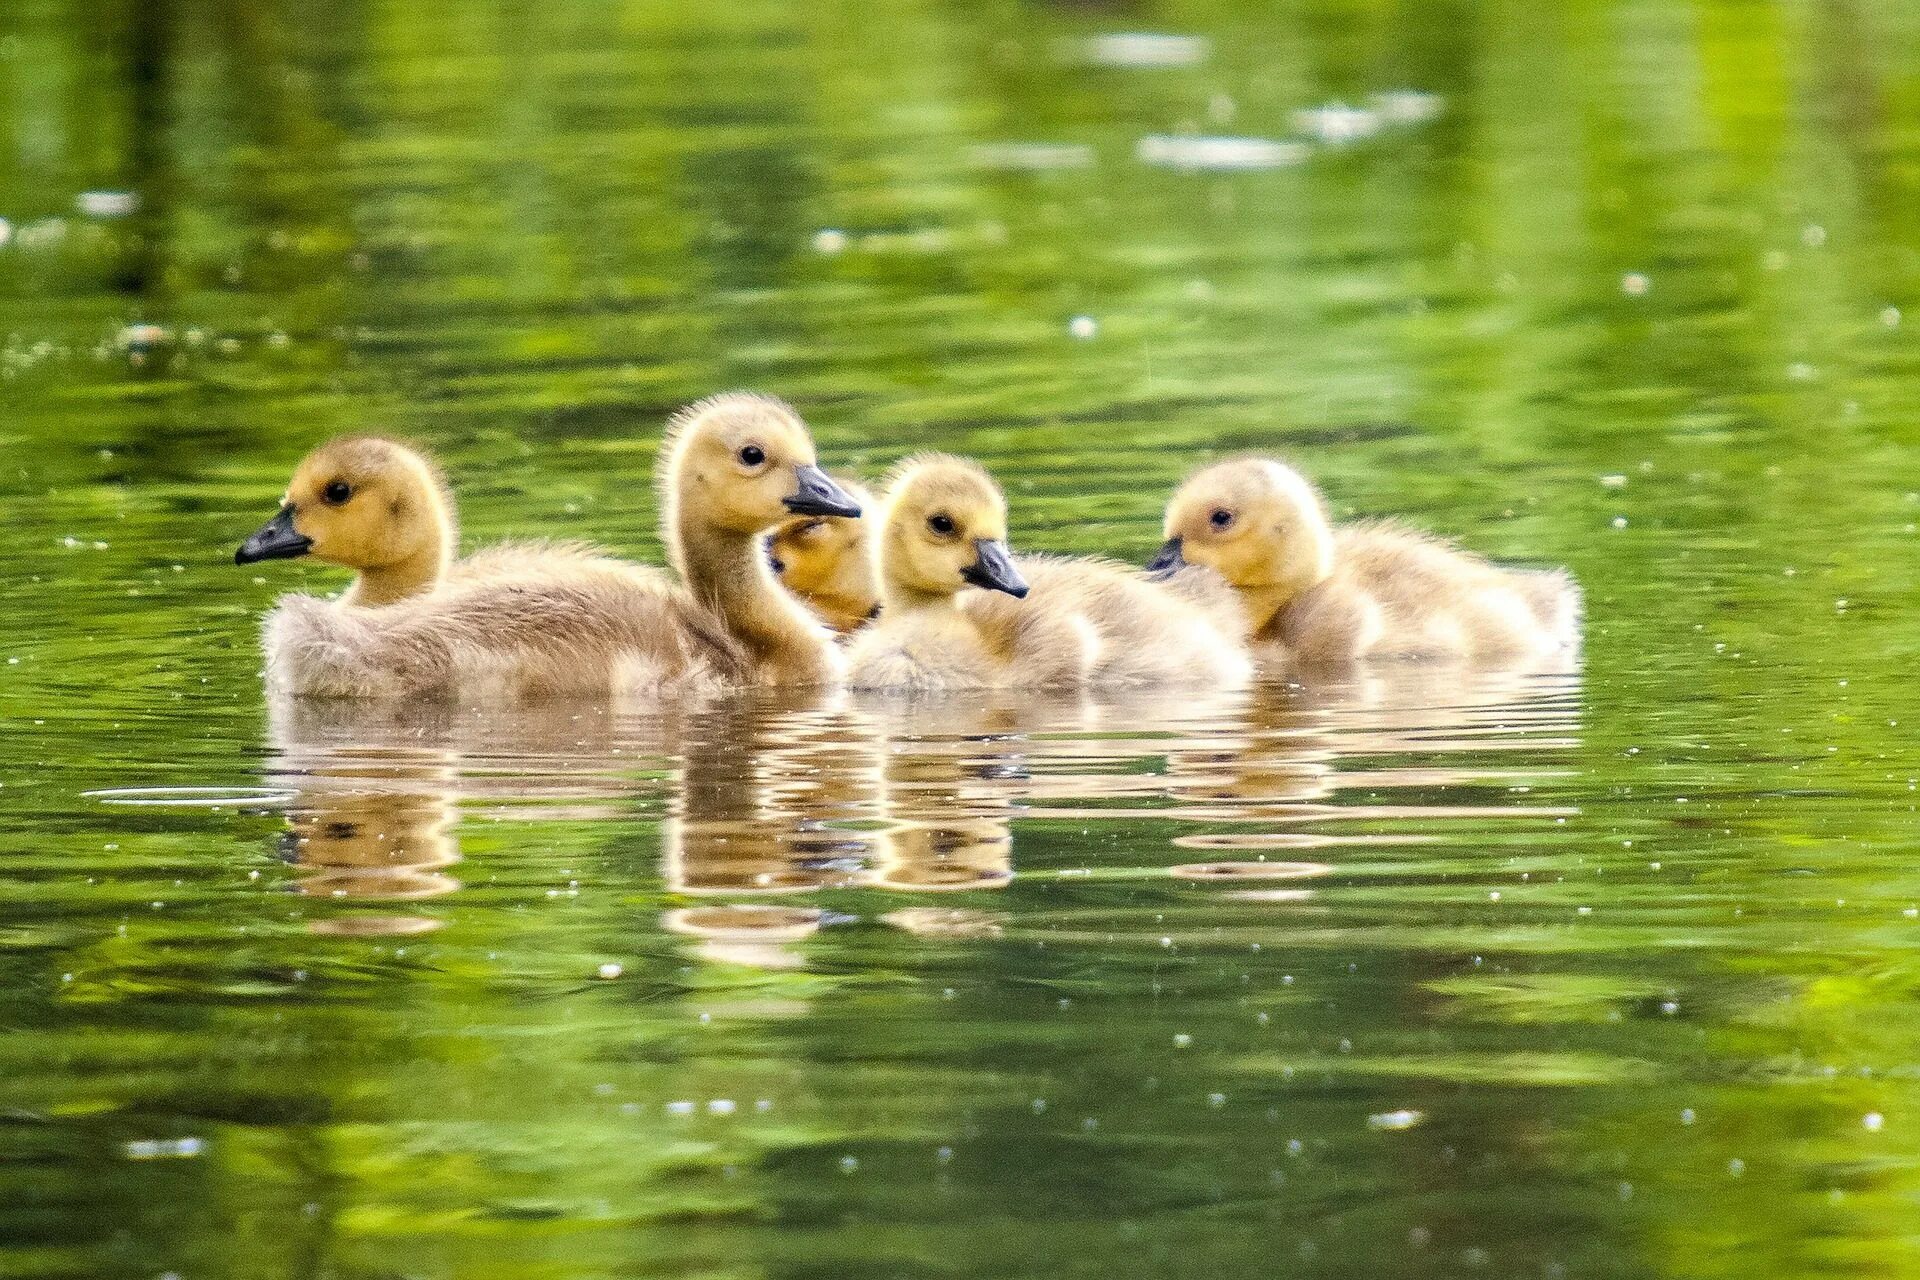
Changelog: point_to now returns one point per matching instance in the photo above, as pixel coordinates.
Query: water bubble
(1813, 236)
(1634, 284)
(1336, 123)
(1889, 316)
(681, 1108)
(1872, 1121)
(829, 240)
(1736, 1167)
(1140, 49)
(1395, 1120)
(848, 1164)
(1203, 154)
(1686, 1115)
(721, 1106)
(106, 204)
(610, 970)
(1619, 522)
(163, 1148)
(1182, 1040)
(1083, 327)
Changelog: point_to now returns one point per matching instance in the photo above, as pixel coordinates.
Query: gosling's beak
(1168, 558)
(994, 569)
(819, 496)
(274, 540)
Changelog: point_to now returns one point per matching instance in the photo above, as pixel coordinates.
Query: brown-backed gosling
(535, 619)
(958, 611)
(1332, 596)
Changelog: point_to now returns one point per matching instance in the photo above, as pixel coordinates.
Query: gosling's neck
(409, 577)
(728, 573)
(898, 599)
(425, 506)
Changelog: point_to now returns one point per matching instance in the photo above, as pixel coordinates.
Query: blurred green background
(1628, 285)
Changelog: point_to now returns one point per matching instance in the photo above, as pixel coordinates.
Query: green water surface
(1606, 974)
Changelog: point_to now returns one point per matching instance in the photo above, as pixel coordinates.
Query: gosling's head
(741, 463)
(367, 504)
(828, 561)
(1256, 522)
(945, 530)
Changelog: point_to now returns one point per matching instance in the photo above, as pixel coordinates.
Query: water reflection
(798, 795)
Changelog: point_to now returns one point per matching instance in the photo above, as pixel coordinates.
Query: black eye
(752, 455)
(941, 524)
(1221, 517)
(337, 492)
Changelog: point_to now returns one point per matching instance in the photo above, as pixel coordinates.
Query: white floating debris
(6, 234)
(1872, 1121)
(1635, 285)
(1407, 106)
(1813, 236)
(164, 1148)
(107, 204)
(722, 1107)
(1336, 123)
(1613, 482)
(1032, 157)
(1889, 316)
(1801, 371)
(829, 240)
(1141, 49)
(1083, 327)
(682, 1108)
(1686, 1115)
(1392, 1120)
(848, 1164)
(1619, 522)
(1182, 1040)
(1217, 155)
(610, 970)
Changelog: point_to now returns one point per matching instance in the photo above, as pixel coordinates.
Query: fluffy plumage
(527, 620)
(1083, 622)
(1330, 596)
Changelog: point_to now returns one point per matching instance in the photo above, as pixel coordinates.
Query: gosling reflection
(373, 824)
(765, 789)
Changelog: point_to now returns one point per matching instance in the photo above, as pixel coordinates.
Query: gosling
(526, 620)
(826, 562)
(1331, 597)
(1086, 623)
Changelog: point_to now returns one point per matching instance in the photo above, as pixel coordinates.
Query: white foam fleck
(1394, 1120)
(1217, 154)
(1140, 49)
(107, 204)
(1336, 123)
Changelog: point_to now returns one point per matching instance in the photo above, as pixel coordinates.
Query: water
(1598, 975)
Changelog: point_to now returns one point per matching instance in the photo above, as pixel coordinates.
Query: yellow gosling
(956, 613)
(1372, 590)
(826, 562)
(537, 619)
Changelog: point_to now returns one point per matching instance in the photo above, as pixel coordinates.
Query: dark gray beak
(994, 569)
(1168, 558)
(274, 540)
(819, 496)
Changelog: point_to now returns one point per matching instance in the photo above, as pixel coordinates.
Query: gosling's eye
(1220, 518)
(752, 455)
(941, 524)
(336, 492)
